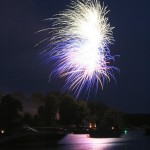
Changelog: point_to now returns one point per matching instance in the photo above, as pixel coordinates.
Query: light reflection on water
(92, 147)
(132, 141)
(85, 139)
(84, 142)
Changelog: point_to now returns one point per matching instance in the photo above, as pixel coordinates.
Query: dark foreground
(135, 140)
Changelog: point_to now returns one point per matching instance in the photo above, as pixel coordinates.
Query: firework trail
(78, 46)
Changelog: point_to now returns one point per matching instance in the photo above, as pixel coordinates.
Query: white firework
(78, 45)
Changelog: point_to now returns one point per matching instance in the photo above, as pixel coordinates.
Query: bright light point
(112, 128)
(2, 131)
(90, 125)
(125, 131)
(78, 46)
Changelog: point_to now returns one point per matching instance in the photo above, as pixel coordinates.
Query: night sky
(23, 69)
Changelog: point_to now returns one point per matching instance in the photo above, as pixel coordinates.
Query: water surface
(132, 141)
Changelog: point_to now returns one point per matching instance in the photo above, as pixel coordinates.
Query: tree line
(56, 109)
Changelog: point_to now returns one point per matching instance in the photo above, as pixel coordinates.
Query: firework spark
(79, 46)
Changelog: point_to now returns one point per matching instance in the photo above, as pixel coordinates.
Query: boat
(105, 133)
(32, 137)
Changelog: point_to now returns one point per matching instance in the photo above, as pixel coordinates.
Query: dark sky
(21, 67)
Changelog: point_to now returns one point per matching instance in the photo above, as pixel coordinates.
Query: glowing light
(90, 125)
(2, 131)
(112, 128)
(125, 132)
(78, 46)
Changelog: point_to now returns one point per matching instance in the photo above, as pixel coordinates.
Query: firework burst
(78, 46)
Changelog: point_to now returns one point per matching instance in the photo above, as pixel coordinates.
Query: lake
(135, 140)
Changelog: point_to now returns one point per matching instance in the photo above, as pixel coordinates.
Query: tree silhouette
(10, 109)
(82, 111)
(47, 111)
(97, 109)
(68, 110)
(112, 118)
